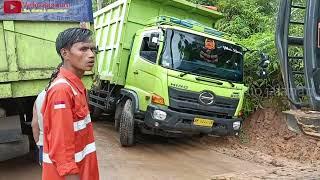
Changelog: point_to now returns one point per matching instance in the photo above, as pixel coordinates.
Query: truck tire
(117, 114)
(116, 124)
(126, 129)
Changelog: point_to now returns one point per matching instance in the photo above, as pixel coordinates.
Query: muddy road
(262, 151)
(151, 158)
(161, 158)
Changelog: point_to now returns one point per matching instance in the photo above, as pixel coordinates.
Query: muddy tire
(116, 124)
(126, 129)
(117, 116)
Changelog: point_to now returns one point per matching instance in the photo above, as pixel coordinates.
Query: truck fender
(133, 96)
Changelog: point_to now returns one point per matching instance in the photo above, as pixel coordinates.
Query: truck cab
(163, 74)
(187, 79)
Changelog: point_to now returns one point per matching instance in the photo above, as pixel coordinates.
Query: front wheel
(126, 129)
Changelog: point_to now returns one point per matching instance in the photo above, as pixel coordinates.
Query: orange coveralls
(69, 146)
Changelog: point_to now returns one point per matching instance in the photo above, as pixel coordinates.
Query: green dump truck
(162, 69)
(27, 59)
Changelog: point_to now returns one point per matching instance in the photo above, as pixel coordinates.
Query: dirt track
(188, 158)
(151, 158)
(160, 158)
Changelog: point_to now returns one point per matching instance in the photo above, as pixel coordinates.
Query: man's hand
(35, 124)
(72, 177)
(208, 56)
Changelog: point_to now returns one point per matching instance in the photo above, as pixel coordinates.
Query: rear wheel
(126, 129)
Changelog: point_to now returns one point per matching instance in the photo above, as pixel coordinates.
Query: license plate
(203, 122)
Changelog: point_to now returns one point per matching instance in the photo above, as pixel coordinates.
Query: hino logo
(206, 98)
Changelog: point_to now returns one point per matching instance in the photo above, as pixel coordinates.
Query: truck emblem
(206, 98)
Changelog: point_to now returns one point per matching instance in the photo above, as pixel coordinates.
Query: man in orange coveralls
(69, 150)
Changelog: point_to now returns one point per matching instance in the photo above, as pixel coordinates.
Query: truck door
(142, 68)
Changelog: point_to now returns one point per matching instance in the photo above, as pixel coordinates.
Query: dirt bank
(266, 140)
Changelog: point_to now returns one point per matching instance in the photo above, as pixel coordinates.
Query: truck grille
(188, 102)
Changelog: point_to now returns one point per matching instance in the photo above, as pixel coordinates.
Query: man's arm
(61, 135)
(35, 124)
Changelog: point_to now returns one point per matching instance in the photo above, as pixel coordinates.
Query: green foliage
(204, 2)
(261, 89)
(252, 24)
(243, 18)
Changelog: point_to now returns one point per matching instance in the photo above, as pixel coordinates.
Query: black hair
(71, 36)
(65, 40)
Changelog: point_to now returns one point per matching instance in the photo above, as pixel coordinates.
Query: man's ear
(64, 53)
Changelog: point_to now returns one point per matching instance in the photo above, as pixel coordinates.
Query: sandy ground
(161, 158)
(266, 140)
(152, 158)
(266, 150)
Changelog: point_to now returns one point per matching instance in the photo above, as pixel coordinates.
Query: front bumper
(178, 122)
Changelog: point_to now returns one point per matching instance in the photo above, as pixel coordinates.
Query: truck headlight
(236, 125)
(159, 115)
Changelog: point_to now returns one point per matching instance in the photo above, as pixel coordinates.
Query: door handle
(135, 72)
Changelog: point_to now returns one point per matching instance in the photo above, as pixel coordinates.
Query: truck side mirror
(264, 60)
(154, 41)
(264, 63)
(96, 50)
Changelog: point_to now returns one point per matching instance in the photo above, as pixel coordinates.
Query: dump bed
(116, 24)
(27, 42)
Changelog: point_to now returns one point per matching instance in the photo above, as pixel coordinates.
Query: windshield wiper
(231, 83)
(217, 82)
(209, 80)
(228, 81)
(183, 74)
(192, 70)
(197, 78)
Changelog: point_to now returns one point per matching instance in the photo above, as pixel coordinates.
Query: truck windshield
(202, 56)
